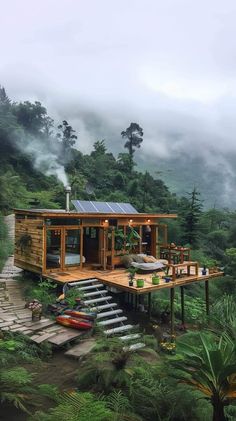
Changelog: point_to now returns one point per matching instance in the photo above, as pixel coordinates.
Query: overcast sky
(169, 65)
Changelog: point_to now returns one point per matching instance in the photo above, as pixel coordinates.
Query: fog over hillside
(169, 66)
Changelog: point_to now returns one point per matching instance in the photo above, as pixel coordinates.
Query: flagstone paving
(14, 317)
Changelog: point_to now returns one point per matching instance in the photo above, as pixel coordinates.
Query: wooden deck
(118, 278)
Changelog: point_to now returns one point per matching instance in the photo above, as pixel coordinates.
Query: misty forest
(190, 375)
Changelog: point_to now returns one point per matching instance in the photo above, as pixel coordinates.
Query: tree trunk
(218, 410)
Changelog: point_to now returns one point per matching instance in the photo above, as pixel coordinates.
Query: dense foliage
(198, 382)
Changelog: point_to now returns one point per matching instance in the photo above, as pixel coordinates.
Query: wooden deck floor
(118, 278)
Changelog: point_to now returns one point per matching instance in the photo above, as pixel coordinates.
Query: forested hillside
(36, 153)
(39, 156)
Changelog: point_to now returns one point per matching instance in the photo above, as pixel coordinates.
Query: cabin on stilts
(95, 235)
(91, 241)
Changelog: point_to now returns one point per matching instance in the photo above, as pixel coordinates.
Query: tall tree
(99, 148)
(134, 136)
(68, 139)
(4, 99)
(190, 218)
(31, 116)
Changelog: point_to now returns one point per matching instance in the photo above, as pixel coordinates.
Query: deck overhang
(118, 279)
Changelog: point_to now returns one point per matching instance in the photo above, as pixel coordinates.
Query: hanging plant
(24, 242)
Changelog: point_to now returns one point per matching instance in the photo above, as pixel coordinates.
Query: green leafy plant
(71, 295)
(16, 387)
(77, 406)
(43, 292)
(120, 406)
(210, 369)
(131, 273)
(106, 369)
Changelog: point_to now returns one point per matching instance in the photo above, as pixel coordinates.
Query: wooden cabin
(93, 235)
(88, 243)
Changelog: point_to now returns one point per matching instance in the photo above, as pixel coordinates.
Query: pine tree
(134, 136)
(191, 216)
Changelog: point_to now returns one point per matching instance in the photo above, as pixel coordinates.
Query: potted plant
(155, 279)
(132, 271)
(209, 263)
(204, 270)
(140, 283)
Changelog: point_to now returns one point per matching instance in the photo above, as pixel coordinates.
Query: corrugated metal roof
(84, 206)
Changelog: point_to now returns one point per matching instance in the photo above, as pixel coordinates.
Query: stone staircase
(109, 317)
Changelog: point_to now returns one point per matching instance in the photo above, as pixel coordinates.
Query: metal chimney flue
(68, 191)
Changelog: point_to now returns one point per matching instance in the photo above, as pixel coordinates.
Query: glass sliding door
(72, 247)
(54, 248)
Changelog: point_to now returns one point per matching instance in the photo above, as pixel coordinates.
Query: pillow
(163, 261)
(149, 259)
(126, 260)
(137, 258)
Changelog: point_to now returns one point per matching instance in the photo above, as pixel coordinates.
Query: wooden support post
(132, 300)
(153, 241)
(207, 297)
(172, 314)
(44, 250)
(136, 302)
(149, 304)
(182, 305)
(112, 248)
(63, 235)
(141, 238)
(125, 232)
(104, 249)
(81, 246)
(165, 234)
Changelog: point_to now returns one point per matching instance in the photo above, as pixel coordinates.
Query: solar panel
(84, 206)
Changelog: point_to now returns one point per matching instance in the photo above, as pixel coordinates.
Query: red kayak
(80, 314)
(73, 322)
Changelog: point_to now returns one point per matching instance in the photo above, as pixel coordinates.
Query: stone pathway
(14, 317)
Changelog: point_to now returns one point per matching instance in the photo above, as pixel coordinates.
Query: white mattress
(70, 258)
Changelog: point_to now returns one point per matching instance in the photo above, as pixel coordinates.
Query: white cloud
(169, 65)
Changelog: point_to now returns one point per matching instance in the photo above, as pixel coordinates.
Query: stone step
(135, 347)
(118, 329)
(98, 300)
(25, 320)
(18, 328)
(41, 338)
(5, 324)
(66, 336)
(109, 313)
(81, 349)
(93, 294)
(40, 325)
(90, 287)
(8, 318)
(130, 337)
(87, 282)
(53, 328)
(103, 307)
(112, 321)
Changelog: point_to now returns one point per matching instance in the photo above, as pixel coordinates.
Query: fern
(15, 386)
(77, 406)
(119, 404)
